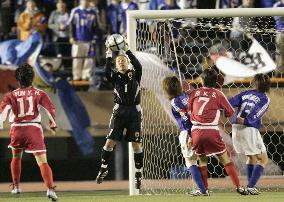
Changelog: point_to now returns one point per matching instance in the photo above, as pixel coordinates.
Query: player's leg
(232, 172)
(138, 161)
(257, 173)
(191, 161)
(16, 168)
(251, 162)
(105, 159)
(203, 161)
(46, 173)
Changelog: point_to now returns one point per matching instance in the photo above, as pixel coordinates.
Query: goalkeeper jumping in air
(126, 111)
(251, 106)
(179, 102)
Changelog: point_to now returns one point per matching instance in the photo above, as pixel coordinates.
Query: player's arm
(225, 105)
(5, 107)
(257, 112)
(108, 66)
(135, 63)
(49, 108)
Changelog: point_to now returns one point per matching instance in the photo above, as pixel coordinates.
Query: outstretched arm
(135, 63)
(49, 108)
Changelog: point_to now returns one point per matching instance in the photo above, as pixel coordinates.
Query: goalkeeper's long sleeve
(136, 65)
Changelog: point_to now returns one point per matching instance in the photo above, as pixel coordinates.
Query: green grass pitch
(121, 196)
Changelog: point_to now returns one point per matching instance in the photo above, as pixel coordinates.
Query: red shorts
(207, 142)
(29, 138)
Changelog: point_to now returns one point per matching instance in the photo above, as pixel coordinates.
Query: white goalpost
(169, 42)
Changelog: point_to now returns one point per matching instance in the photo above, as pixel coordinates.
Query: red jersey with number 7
(23, 106)
(205, 105)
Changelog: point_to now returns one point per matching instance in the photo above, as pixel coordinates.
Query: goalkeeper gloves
(108, 50)
(126, 47)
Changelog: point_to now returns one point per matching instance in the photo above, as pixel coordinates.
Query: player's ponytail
(24, 75)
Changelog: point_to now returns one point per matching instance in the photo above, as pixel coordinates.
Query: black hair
(262, 82)
(209, 77)
(25, 75)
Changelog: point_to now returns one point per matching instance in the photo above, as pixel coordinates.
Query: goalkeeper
(179, 102)
(126, 111)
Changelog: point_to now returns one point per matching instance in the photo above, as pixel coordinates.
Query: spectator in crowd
(31, 20)
(230, 3)
(169, 5)
(124, 6)
(267, 3)
(114, 17)
(240, 24)
(279, 41)
(57, 22)
(155, 4)
(83, 27)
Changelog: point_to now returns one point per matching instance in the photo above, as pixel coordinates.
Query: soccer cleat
(138, 179)
(242, 190)
(199, 193)
(101, 175)
(50, 193)
(16, 189)
(253, 191)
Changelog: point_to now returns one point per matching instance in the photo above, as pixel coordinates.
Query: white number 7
(206, 100)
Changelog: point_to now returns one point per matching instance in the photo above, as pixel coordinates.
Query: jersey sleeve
(178, 106)
(236, 100)
(257, 112)
(225, 105)
(49, 108)
(5, 107)
(136, 65)
(108, 70)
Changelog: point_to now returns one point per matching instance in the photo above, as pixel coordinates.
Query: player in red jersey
(205, 105)
(22, 108)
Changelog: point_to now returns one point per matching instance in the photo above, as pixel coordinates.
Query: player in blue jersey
(251, 106)
(179, 102)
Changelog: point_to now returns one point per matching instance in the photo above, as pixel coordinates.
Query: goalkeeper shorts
(127, 118)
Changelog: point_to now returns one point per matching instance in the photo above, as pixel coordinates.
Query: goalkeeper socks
(138, 160)
(204, 175)
(16, 168)
(233, 173)
(47, 175)
(256, 174)
(105, 157)
(197, 178)
(249, 170)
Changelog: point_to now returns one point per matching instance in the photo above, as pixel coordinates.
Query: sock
(249, 168)
(138, 160)
(16, 168)
(197, 178)
(233, 173)
(204, 175)
(105, 157)
(47, 175)
(256, 174)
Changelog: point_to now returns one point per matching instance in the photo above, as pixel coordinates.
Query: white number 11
(22, 108)
(206, 100)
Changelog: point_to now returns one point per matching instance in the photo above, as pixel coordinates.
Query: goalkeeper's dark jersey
(126, 86)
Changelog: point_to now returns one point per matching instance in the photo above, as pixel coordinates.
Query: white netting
(166, 46)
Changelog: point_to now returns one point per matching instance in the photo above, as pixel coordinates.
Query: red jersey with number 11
(23, 106)
(205, 105)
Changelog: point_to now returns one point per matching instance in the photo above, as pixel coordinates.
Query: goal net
(184, 44)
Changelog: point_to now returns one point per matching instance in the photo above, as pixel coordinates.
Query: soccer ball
(116, 42)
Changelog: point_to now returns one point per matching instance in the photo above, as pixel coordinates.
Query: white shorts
(187, 152)
(247, 140)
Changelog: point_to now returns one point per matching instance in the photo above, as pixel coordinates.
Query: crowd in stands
(84, 24)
